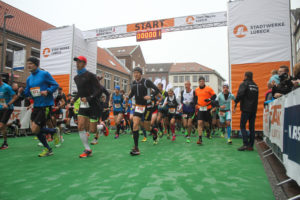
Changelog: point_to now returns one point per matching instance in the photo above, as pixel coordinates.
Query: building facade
(158, 71)
(181, 72)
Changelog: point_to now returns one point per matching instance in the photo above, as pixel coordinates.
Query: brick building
(158, 71)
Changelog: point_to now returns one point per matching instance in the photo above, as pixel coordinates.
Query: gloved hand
(207, 100)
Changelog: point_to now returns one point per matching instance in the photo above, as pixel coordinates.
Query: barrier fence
(281, 125)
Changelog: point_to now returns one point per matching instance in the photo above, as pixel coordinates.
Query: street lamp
(6, 16)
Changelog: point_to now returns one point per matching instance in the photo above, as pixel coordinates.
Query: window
(175, 79)
(153, 70)
(181, 79)
(206, 78)
(116, 81)
(187, 78)
(35, 53)
(107, 80)
(195, 78)
(163, 78)
(10, 48)
(124, 85)
(99, 72)
(160, 69)
(133, 64)
(123, 61)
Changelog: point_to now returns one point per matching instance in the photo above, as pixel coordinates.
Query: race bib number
(172, 110)
(84, 104)
(117, 105)
(139, 109)
(203, 108)
(184, 115)
(35, 91)
(222, 114)
(2, 101)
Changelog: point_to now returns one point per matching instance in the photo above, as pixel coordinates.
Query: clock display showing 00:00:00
(149, 35)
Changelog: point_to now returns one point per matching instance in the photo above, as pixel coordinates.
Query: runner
(172, 103)
(40, 86)
(116, 101)
(224, 98)
(162, 111)
(203, 96)
(7, 98)
(188, 109)
(140, 90)
(89, 92)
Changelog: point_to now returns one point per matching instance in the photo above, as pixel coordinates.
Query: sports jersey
(225, 101)
(6, 94)
(201, 94)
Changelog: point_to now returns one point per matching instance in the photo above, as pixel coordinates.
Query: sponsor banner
(261, 74)
(208, 18)
(266, 123)
(276, 110)
(22, 114)
(156, 24)
(56, 50)
(102, 32)
(291, 135)
(256, 34)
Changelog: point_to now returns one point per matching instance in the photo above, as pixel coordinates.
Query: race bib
(84, 104)
(203, 108)
(222, 114)
(2, 101)
(172, 110)
(35, 91)
(117, 105)
(184, 115)
(139, 109)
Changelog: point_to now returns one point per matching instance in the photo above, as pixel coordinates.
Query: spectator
(248, 96)
(15, 88)
(296, 80)
(274, 80)
(268, 95)
(285, 85)
(60, 93)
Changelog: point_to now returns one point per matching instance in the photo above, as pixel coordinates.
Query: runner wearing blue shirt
(7, 98)
(224, 98)
(40, 86)
(116, 101)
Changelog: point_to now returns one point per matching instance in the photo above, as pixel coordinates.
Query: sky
(204, 46)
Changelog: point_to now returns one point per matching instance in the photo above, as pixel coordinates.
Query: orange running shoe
(86, 153)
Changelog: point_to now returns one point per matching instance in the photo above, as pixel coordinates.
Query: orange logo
(190, 20)
(240, 31)
(275, 113)
(46, 52)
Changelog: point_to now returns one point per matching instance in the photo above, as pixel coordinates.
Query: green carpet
(169, 170)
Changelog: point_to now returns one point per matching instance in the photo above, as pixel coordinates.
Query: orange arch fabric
(63, 82)
(261, 75)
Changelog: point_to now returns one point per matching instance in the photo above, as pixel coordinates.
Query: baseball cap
(80, 58)
(117, 87)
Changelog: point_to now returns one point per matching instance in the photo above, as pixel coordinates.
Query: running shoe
(155, 141)
(173, 137)
(229, 141)
(242, 148)
(199, 141)
(105, 130)
(135, 152)
(144, 140)
(221, 134)
(188, 140)
(4, 146)
(40, 144)
(117, 136)
(35, 138)
(46, 152)
(94, 142)
(86, 153)
(250, 148)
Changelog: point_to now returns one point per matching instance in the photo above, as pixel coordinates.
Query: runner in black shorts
(162, 111)
(140, 89)
(40, 85)
(7, 98)
(172, 103)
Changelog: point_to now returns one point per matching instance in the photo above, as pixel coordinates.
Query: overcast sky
(205, 46)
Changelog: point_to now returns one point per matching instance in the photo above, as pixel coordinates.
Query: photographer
(285, 85)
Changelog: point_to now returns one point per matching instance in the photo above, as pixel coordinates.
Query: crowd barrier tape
(282, 131)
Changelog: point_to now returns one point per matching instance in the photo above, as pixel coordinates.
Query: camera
(283, 76)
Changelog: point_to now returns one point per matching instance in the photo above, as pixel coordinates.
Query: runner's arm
(97, 89)
(150, 84)
(53, 85)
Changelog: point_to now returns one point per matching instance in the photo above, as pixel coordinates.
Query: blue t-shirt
(117, 102)
(6, 94)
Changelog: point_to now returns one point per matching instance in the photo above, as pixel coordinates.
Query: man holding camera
(285, 85)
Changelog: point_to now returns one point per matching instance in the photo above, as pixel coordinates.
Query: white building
(180, 72)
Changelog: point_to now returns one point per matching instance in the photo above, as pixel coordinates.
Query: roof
(123, 51)
(158, 67)
(189, 67)
(106, 58)
(23, 23)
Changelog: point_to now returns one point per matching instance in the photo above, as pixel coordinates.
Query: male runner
(140, 89)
